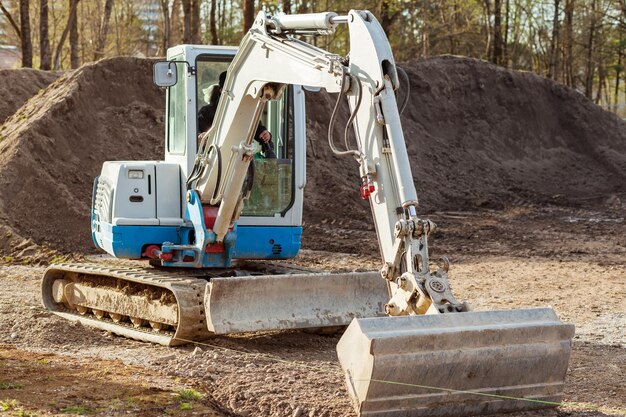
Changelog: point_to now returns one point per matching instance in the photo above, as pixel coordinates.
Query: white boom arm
(269, 58)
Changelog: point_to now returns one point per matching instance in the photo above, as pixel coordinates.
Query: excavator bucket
(457, 364)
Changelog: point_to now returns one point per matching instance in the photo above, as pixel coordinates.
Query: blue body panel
(192, 245)
(253, 242)
(129, 241)
(267, 242)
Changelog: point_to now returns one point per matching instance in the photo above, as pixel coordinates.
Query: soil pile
(17, 86)
(54, 147)
(477, 135)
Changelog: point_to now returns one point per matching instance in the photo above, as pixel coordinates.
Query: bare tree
(9, 17)
(195, 21)
(191, 22)
(165, 11)
(618, 73)
(27, 45)
(590, 44)
(213, 23)
(386, 16)
(70, 22)
(497, 51)
(186, 21)
(248, 14)
(176, 34)
(505, 52)
(287, 6)
(103, 31)
(74, 59)
(489, 29)
(426, 5)
(45, 56)
(553, 66)
(568, 43)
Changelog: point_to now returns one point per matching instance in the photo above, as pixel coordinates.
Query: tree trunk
(74, 60)
(287, 6)
(489, 31)
(553, 66)
(505, 49)
(186, 21)
(70, 19)
(385, 17)
(497, 33)
(568, 24)
(248, 14)
(618, 73)
(165, 40)
(302, 8)
(103, 31)
(27, 45)
(45, 56)
(222, 21)
(601, 78)
(175, 29)
(590, 66)
(213, 23)
(195, 21)
(425, 27)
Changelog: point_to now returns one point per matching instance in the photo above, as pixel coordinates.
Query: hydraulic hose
(359, 88)
(333, 119)
(408, 89)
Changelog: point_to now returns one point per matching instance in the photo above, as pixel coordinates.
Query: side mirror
(165, 73)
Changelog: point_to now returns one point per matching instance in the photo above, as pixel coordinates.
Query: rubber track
(188, 292)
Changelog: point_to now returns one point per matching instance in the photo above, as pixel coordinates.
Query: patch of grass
(188, 394)
(43, 361)
(59, 259)
(25, 261)
(8, 259)
(116, 403)
(186, 406)
(7, 405)
(76, 409)
(10, 385)
(20, 412)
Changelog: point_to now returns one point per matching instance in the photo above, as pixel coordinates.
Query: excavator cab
(133, 214)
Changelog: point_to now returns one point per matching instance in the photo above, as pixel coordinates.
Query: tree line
(579, 43)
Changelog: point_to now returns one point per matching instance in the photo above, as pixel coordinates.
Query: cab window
(272, 191)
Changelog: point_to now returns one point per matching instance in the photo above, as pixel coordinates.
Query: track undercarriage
(177, 307)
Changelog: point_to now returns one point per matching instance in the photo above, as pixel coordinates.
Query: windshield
(273, 187)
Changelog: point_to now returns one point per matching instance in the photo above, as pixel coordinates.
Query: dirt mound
(54, 147)
(17, 86)
(478, 136)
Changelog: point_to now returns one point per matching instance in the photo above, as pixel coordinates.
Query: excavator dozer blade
(295, 301)
(457, 364)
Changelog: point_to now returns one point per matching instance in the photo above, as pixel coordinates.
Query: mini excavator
(216, 203)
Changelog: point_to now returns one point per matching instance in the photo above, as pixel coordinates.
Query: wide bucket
(294, 301)
(457, 364)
